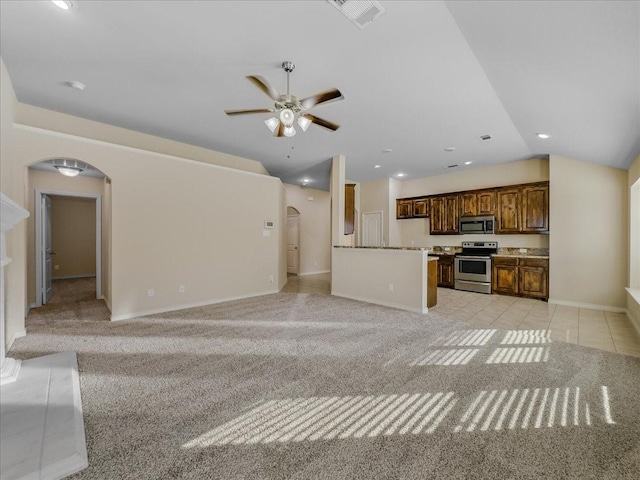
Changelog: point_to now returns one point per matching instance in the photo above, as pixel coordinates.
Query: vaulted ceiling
(422, 77)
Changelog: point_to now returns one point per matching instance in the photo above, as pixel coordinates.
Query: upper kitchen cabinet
(468, 204)
(508, 210)
(421, 207)
(535, 208)
(523, 209)
(486, 202)
(443, 211)
(349, 208)
(404, 208)
(481, 202)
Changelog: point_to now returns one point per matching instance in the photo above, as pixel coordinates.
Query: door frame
(381, 213)
(39, 227)
(297, 215)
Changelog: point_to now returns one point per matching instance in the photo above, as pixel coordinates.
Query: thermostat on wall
(268, 224)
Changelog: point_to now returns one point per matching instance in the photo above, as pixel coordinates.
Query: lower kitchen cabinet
(505, 276)
(445, 271)
(523, 277)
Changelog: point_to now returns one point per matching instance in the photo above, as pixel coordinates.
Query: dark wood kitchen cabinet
(486, 202)
(445, 271)
(404, 208)
(535, 208)
(508, 210)
(505, 275)
(420, 207)
(468, 204)
(443, 211)
(522, 277)
(533, 277)
(349, 208)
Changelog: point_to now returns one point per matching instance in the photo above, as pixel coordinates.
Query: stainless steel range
(473, 266)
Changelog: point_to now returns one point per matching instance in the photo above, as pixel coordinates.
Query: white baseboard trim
(377, 302)
(173, 308)
(18, 334)
(588, 306)
(317, 272)
(68, 277)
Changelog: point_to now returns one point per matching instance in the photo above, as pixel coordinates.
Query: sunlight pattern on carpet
(327, 418)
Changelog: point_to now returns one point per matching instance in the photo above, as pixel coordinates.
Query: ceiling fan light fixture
(304, 123)
(287, 117)
(289, 131)
(63, 4)
(272, 123)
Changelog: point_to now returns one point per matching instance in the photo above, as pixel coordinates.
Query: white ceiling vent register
(360, 12)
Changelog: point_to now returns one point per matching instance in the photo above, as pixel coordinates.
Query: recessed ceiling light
(543, 135)
(387, 150)
(64, 4)
(77, 85)
(400, 174)
(377, 166)
(305, 180)
(449, 149)
(468, 163)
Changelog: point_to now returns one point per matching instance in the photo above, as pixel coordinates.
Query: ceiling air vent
(360, 12)
(485, 137)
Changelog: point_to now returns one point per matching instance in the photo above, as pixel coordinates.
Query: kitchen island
(398, 277)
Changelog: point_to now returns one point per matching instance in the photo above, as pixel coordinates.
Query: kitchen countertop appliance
(473, 266)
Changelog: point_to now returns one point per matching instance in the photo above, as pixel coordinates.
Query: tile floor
(590, 328)
(41, 415)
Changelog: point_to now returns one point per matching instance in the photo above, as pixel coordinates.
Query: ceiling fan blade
(322, 122)
(322, 97)
(280, 130)
(245, 112)
(263, 85)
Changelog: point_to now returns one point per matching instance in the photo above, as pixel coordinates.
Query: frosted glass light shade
(304, 123)
(69, 171)
(272, 123)
(289, 131)
(287, 117)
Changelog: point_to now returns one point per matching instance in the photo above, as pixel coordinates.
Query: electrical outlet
(523, 250)
(391, 287)
(181, 288)
(447, 249)
(270, 278)
(413, 242)
(150, 292)
(315, 264)
(56, 267)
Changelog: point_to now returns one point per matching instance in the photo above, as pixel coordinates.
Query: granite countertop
(384, 248)
(520, 255)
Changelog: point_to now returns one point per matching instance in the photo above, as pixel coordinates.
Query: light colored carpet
(308, 386)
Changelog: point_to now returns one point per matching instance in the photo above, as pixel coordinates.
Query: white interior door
(372, 229)
(293, 239)
(47, 252)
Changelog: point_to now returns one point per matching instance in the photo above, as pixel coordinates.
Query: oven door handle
(473, 258)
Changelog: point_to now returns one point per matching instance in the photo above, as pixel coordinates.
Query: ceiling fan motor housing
(288, 66)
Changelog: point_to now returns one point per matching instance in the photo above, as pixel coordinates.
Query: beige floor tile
(599, 344)
(563, 335)
(634, 352)
(568, 312)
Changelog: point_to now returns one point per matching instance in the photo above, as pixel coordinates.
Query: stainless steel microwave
(477, 224)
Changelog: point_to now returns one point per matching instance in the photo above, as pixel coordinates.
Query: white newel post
(10, 215)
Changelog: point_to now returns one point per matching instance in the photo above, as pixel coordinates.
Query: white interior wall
(315, 227)
(588, 221)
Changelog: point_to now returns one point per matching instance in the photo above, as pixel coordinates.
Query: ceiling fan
(289, 108)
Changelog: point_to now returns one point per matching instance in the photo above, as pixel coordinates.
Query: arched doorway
(293, 241)
(69, 236)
